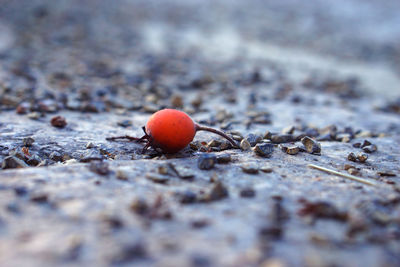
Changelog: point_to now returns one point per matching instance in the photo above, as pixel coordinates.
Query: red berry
(171, 130)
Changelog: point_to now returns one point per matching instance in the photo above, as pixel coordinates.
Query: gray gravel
(296, 83)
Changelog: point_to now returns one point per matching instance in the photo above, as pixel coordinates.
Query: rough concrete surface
(293, 83)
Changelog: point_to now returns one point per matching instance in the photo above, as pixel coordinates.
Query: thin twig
(348, 176)
(220, 133)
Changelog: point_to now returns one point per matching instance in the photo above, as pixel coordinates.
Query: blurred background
(48, 41)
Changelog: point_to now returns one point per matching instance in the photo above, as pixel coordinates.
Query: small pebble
(121, 175)
(187, 197)
(163, 169)
(206, 161)
(224, 158)
(250, 168)
(56, 156)
(311, 145)
(200, 223)
(267, 135)
(34, 115)
(20, 191)
(361, 157)
(157, 178)
(217, 192)
(237, 137)
(89, 145)
(291, 150)
(370, 148)
(247, 192)
(125, 123)
(214, 143)
(266, 169)
(352, 157)
(343, 137)
(28, 141)
(386, 173)
(23, 108)
(366, 143)
(225, 145)
(354, 171)
(184, 172)
(34, 160)
(12, 162)
(99, 167)
(245, 145)
(357, 145)
(58, 121)
(253, 139)
(139, 206)
(264, 150)
(288, 130)
(90, 155)
(177, 101)
(39, 198)
(282, 138)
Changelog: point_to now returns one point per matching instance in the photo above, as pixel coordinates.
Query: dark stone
(366, 143)
(34, 160)
(370, 148)
(247, 192)
(187, 197)
(250, 168)
(325, 137)
(39, 198)
(253, 139)
(311, 145)
(291, 150)
(182, 172)
(20, 191)
(288, 130)
(224, 158)
(130, 252)
(322, 209)
(28, 141)
(13, 207)
(273, 232)
(361, 157)
(264, 150)
(58, 121)
(200, 223)
(12, 162)
(125, 123)
(99, 167)
(113, 222)
(352, 157)
(218, 192)
(282, 138)
(92, 154)
(200, 261)
(157, 178)
(344, 137)
(357, 145)
(139, 206)
(56, 156)
(206, 161)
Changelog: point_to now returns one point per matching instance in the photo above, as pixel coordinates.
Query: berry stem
(212, 130)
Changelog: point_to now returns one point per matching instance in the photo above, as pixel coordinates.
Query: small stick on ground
(348, 176)
(220, 133)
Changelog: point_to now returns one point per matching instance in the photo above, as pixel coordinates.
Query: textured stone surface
(82, 200)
